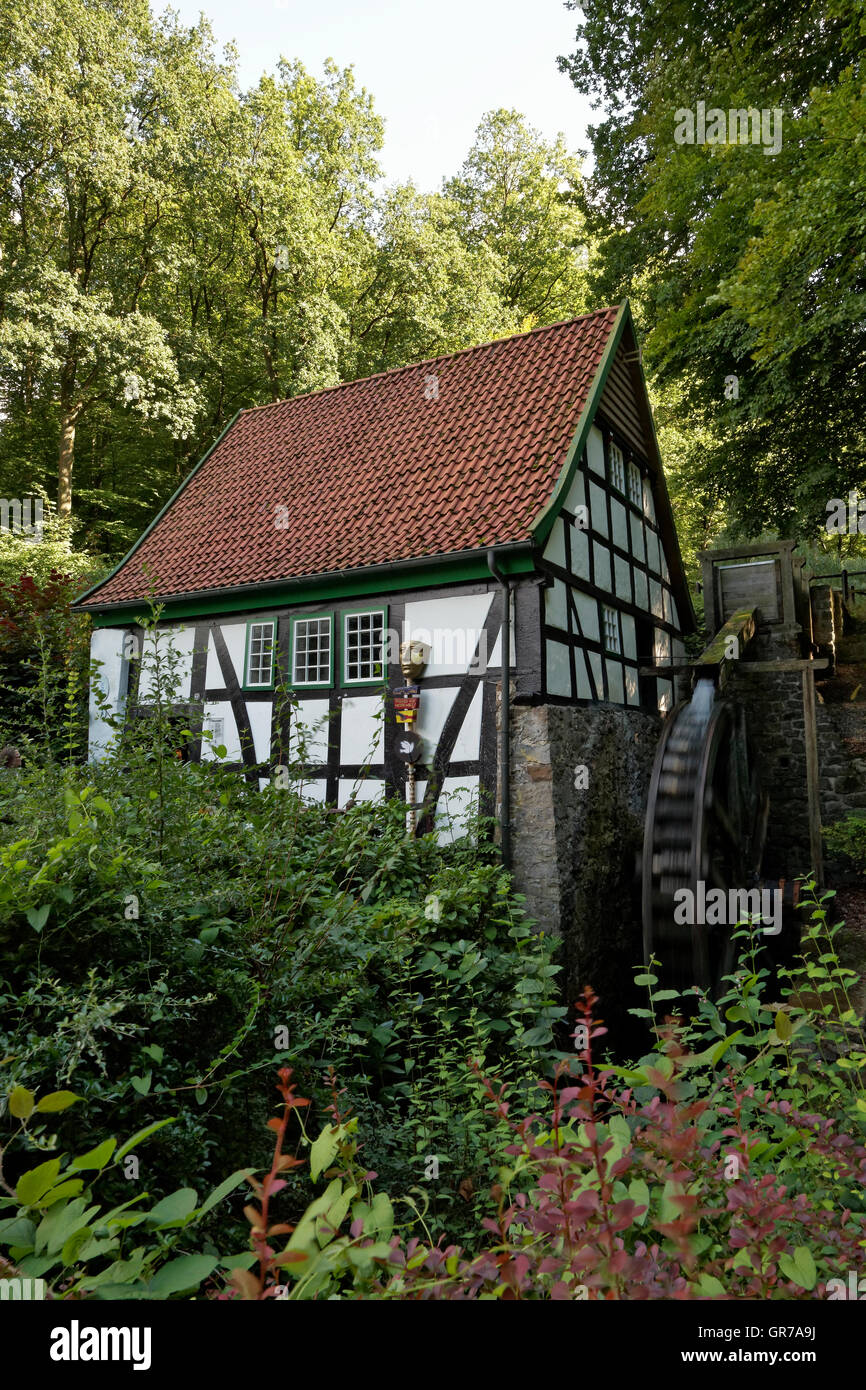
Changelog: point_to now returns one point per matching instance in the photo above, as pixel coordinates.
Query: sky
(432, 69)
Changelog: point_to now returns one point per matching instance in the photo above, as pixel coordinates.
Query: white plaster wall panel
(576, 495)
(652, 551)
(458, 803)
(107, 647)
(467, 745)
(632, 687)
(259, 714)
(629, 643)
(494, 660)
(661, 646)
(451, 627)
(359, 789)
(615, 687)
(362, 729)
(235, 637)
(180, 640)
(554, 551)
(669, 612)
(594, 659)
(221, 709)
(584, 688)
(558, 669)
(657, 607)
(597, 508)
(310, 724)
(601, 561)
(316, 789)
(579, 552)
(648, 503)
(619, 523)
(641, 593)
(638, 549)
(678, 649)
(666, 575)
(665, 694)
(622, 577)
(556, 605)
(587, 612)
(434, 710)
(595, 450)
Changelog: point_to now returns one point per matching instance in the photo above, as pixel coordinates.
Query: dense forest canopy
(744, 263)
(174, 248)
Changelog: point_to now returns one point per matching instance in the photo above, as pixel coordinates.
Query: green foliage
(746, 267)
(169, 932)
(179, 249)
(848, 837)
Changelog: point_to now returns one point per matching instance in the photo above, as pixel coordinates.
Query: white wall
(107, 647)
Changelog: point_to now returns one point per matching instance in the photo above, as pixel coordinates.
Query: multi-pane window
(363, 637)
(260, 654)
(617, 467)
(610, 628)
(635, 488)
(312, 650)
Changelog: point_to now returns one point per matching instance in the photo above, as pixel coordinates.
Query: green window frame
(307, 643)
(260, 654)
(360, 626)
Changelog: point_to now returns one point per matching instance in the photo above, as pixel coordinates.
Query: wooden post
(411, 816)
(810, 734)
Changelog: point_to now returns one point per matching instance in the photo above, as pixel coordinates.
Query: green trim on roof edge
(543, 523)
(146, 532)
(434, 572)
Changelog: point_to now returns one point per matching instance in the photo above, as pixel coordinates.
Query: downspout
(505, 712)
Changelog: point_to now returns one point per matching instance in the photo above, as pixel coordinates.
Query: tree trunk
(65, 459)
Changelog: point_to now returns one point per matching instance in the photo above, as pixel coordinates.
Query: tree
(748, 265)
(99, 112)
(516, 195)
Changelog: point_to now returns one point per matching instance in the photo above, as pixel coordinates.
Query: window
(610, 628)
(312, 650)
(617, 467)
(260, 655)
(363, 638)
(635, 486)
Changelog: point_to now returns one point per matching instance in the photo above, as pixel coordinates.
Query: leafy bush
(169, 932)
(722, 1164)
(848, 837)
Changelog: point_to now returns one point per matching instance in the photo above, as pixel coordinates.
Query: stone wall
(575, 849)
(774, 717)
(842, 762)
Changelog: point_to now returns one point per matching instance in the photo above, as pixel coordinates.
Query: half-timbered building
(505, 506)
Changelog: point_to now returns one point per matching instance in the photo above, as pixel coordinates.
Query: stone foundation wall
(842, 762)
(575, 849)
(774, 716)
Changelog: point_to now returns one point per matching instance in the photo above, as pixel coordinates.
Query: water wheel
(706, 821)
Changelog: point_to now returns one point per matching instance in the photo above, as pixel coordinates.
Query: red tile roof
(456, 453)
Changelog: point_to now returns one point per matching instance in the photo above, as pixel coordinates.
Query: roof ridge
(428, 361)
